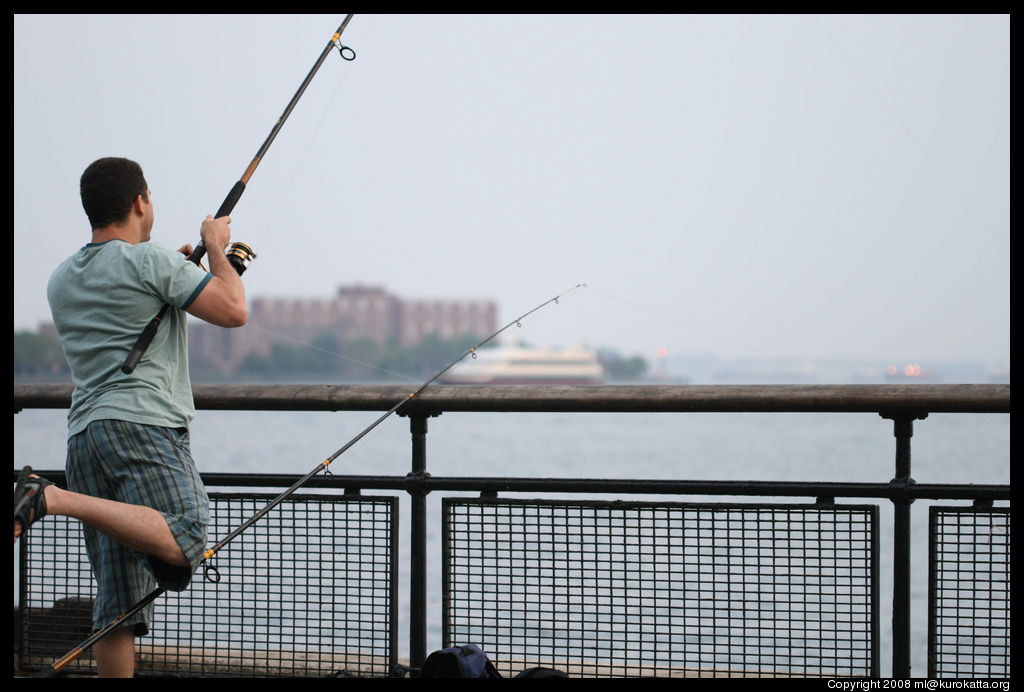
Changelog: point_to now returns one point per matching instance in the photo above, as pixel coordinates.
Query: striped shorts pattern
(140, 465)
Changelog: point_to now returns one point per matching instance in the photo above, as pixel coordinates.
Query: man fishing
(131, 477)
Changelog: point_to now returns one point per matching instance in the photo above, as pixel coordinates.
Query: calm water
(947, 448)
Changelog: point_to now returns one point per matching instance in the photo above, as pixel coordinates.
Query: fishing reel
(240, 256)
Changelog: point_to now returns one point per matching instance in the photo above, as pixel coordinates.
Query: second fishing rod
(239, 254)
(210, 571)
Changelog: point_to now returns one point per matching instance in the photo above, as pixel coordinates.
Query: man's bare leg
(115, 653)
(135, 526)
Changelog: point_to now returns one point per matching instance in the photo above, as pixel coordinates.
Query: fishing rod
(239, 255)
(210, 571)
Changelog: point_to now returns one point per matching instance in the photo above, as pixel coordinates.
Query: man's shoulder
(149, 249)
(70, 264)
(153, 259)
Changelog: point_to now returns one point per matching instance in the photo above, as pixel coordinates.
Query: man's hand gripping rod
(239, 256)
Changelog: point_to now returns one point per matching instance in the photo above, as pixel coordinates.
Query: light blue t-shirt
(102, 297)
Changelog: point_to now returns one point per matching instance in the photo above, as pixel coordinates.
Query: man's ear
(138, 206)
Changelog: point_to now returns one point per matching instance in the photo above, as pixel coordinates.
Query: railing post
(418, 544)
(903, 430)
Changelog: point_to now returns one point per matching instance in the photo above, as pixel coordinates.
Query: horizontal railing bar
(930, 398)
(917, 491)
(761, 488)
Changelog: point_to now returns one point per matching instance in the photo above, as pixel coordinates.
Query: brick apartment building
(354, 313)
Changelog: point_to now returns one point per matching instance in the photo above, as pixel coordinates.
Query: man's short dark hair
(109, 186)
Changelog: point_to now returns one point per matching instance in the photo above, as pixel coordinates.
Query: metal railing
(761, 585)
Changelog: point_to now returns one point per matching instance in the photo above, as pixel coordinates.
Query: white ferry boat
(519, 365)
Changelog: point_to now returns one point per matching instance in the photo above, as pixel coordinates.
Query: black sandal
(29, 499)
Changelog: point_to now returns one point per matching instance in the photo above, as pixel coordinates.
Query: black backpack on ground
(467, 661)
(470, 661)
(540, 672)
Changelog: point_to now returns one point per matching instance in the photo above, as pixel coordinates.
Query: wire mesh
(663, 589)
(56, 591)
(969, 599)
(308, 591)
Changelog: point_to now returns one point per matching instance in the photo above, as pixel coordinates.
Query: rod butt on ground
(47, 672)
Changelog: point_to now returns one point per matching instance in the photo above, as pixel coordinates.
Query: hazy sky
(812, 186)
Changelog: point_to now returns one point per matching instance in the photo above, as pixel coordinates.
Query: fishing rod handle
(51, 671)
(71, 656)
(225, 209)
(228, 205)
(143, 342)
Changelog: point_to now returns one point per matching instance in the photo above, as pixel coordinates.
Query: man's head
(109, 188)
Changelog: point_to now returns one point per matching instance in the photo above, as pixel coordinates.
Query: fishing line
(407, 378)
(309, 145)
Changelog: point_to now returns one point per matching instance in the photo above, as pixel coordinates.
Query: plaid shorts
(140, 465)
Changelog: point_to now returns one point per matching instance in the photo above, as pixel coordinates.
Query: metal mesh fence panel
(56, 590)
(969, 598)
(308, 591)
(663, 589)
